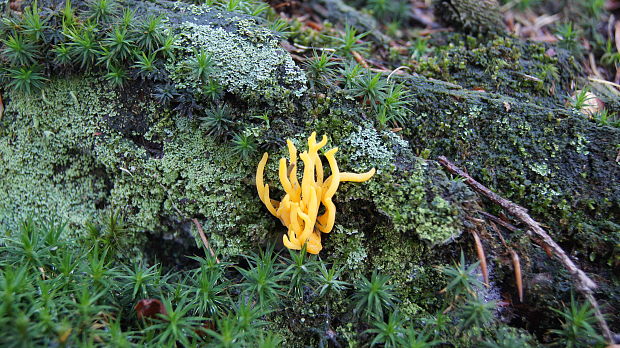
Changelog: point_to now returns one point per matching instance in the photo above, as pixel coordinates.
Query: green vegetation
(97, 40)
(351, 41)
(371, 87)
(201, 65)
(569, 38)
(218, 121)
(26, 79)
(578, 323)
(150, 118)
(388, 333)
(60, 294)
(374, 296)
(463, 281)
(243, 145)
(264, 278)
(57, 293)
(320, 69)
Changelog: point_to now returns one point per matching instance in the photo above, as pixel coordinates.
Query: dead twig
(499, 221)
(514, 257)
(305, 48)
(544, 246)
(358, 58)
(205, 241)
(605, 82)
(617, 36)
(583, 283)
(397, 70)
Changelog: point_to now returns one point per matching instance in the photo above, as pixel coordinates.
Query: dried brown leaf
(516, 264)
(149, 308)
(481, 257)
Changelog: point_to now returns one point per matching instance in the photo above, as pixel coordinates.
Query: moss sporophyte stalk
(298, 210)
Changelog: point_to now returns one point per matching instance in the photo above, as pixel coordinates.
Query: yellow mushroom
(299, 208)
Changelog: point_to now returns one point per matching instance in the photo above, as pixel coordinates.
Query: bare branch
(205, 241)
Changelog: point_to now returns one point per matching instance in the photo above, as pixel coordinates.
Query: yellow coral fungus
(299, 208)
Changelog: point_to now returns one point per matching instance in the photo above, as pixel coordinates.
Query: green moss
(526, 71)
(548, 159)
(412, 268)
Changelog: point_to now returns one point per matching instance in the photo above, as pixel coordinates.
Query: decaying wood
(583, 283)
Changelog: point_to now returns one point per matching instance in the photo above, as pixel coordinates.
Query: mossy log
(80, 148)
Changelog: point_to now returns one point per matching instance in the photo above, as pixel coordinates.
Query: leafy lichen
(47, 155)
(247, 59)
(403, 189)
(78, 164)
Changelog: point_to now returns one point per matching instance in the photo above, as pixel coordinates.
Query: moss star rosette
(299, 208)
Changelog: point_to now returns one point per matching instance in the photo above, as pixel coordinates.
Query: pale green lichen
(47, 163)
(196, 177)
(437, 222)
(366, 148)
(349, 249)
(247, 62)
(75, 165)
(411, 206)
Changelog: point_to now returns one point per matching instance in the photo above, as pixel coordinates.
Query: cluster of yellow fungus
(299, 208)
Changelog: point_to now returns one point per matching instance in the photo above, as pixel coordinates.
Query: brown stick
(583, 283)
(205, 241)
(497, 220)
(358, 57)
